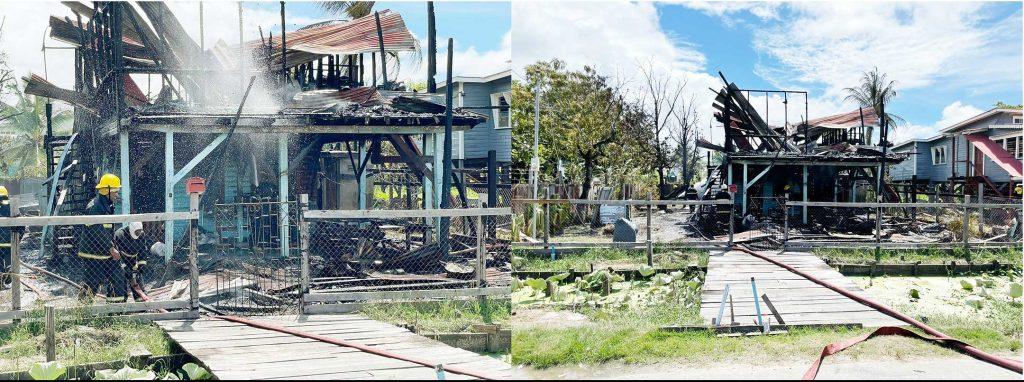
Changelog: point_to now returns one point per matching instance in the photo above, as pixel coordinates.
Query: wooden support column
(168, 193)
(282, 168)
(746, 184)
(805, 195)
(126, 178)
(361, 182)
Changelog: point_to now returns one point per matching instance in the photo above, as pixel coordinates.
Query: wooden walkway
(237, 351)
(798, 300)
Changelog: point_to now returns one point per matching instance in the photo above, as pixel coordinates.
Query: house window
(1017, 120)
(939, 155)
(499, 102)
(1012, 145)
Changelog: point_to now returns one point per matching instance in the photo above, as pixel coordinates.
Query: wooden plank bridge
(237, 351)
(799, 301)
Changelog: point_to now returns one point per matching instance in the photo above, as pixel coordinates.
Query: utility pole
(284, 53)
(535, 161)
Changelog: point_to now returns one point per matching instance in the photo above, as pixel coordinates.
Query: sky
(950, 60)
(481, 32)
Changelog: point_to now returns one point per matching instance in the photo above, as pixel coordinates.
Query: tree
(1003, 105)
(582, 118)
(661, 97)
(686, 135)
(23, 126)
(352, 9)
(876, 91)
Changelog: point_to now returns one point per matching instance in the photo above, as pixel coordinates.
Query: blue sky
(729, 47)
(950, 60)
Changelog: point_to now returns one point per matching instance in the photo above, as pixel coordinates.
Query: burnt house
(312, 111)
(824, 159)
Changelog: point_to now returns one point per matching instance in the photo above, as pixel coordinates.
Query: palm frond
(352, 9)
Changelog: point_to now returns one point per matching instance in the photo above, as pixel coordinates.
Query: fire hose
(940, 338)
(360, 347)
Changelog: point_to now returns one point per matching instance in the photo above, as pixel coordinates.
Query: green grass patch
(79, 341)
(443, 316)
(924, 255)
(614, 257)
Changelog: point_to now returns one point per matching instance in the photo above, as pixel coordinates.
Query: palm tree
(352, 9)
(22, 133)
(876, 91)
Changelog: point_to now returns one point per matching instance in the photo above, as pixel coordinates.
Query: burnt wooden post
(432, 50)
(50, 339)
(384, 60)
(284, 53)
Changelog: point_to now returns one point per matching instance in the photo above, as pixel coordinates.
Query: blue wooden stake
(757, 303)
(721, 306)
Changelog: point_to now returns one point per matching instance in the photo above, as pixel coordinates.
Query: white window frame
(1018, 151)
(938, 155)
(496, 112)
(1018, 119)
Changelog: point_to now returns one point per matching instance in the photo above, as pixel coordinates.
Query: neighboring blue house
(491, 96)
(987, 147)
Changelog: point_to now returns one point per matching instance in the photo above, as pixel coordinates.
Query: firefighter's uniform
(5, 240)
(96, 244)
(134, 248)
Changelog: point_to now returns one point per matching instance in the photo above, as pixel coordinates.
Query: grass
(925, 256)
(443, 316)
(619, 258)
(632, 336)
(79, 341)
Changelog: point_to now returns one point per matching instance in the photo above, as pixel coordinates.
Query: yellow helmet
(1019, 189)
(3, 191)
(109, 181)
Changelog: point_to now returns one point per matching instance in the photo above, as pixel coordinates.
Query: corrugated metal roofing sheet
(349, 37)
(847, 120)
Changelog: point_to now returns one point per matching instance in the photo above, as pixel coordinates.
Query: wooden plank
(233, 350)
(798, 300)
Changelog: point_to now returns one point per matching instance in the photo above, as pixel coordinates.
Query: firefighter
(135, 250)
(5, 240)
(100, 259)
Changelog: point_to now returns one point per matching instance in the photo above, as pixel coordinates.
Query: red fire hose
(942, 338)
(361, 347)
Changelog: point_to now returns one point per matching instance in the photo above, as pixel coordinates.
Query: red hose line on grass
(361, 347)
(1009, 364)
(837, 347)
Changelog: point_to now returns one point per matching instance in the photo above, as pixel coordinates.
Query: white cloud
(764, 10)
(917, 44)
(466, 61)
(614, 38)
(951, 114)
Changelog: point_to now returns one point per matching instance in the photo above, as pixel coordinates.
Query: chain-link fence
(903, 225)
(543, 223)
(365, 255)
(114, 264)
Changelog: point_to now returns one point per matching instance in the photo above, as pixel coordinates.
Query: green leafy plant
(196, 372)
(966, 285)
(125, 373)
(915, 294)
(1016, 290)
(47, 371)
